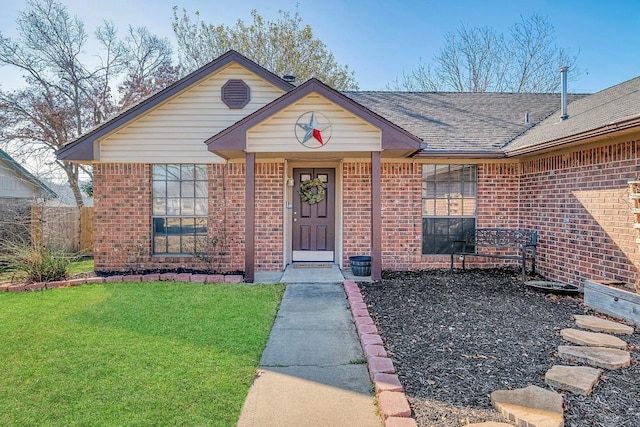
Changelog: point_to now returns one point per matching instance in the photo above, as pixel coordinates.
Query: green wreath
(308, 195)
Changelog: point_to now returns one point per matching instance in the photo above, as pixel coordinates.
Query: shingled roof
(451, 122)
(609, 110)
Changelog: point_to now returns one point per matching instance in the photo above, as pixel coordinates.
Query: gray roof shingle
(614, 105)
(461, 122)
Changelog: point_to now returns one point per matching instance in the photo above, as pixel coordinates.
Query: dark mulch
(455, 337)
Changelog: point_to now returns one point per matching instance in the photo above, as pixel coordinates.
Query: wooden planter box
(612, 301)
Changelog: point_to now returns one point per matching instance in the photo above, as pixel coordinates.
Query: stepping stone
(597, 324)
(607, 358)
(592, 339)
(576, 379)
(530, 406)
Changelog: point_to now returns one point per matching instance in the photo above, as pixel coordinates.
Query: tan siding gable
(349, 132)
(176, 130)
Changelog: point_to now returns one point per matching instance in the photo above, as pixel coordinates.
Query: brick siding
(269, 216)
(226, 216)
(356, 209)
(579, 203)
(402, 216)
(122, 216)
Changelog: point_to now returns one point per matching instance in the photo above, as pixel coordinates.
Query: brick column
(249, 219)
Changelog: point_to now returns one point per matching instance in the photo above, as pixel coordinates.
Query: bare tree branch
(481, 60)
(64, 96)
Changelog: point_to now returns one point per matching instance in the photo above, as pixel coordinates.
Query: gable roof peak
(82, 147)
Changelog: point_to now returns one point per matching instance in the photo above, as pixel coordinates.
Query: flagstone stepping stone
(601, 357)
(576, 379)
(592, 339)
(530, 406)
(597, 324)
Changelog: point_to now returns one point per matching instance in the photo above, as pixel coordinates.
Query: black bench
(503, 243)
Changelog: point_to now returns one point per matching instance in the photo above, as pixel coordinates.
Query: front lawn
(153, 353)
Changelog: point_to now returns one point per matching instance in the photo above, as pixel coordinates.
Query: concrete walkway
(312, 371)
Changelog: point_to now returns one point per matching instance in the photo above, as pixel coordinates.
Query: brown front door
(314, 224)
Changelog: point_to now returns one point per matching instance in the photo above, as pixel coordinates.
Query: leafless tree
(148, 66)
(481, 60)
(66, 91)
(284, 46)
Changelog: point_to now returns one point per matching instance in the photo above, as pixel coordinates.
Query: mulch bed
(455, 337)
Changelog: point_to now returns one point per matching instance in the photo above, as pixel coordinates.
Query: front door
(314, 220)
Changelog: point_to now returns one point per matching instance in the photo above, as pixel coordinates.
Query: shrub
(38, 263)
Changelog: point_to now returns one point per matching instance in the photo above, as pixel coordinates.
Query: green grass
(82, 266)
(134, 354)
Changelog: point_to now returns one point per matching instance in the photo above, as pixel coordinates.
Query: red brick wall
(226, 216)
(579, 203)
(269, 216)
(356, 190)
(401, 216)
(122, 220)
(122, 216)
(498, 195)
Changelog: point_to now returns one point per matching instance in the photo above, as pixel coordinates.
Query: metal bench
(502, 243)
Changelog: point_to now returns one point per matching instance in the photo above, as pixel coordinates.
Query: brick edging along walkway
(392, 402)
(163, 277)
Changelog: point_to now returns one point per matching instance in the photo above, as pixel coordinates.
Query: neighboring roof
(82, 148)
(25, 174)
(476, 124)
(610, 110)
(233, 139)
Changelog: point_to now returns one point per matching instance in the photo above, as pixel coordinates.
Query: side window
(449, 205)
(179, 214)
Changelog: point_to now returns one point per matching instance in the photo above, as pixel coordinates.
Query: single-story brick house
(213, 165)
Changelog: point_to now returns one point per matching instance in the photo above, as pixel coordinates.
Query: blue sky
(380, 40)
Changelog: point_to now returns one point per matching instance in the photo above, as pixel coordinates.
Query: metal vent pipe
(563, 95)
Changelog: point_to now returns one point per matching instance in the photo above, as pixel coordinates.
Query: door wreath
(308, 195)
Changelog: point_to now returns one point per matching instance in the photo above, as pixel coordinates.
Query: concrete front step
(531, 406)
(576, 379)
(592, 339)
(607, 358)
(597, 324)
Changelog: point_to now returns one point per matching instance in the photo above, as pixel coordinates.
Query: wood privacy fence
(65, 228)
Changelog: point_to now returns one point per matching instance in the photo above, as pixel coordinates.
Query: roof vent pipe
(563, 95)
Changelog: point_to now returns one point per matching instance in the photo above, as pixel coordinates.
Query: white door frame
(288, 207)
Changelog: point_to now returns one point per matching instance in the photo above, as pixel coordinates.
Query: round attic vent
(236, 94)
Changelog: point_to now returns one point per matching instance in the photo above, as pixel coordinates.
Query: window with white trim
(179, 214)
(449, 205)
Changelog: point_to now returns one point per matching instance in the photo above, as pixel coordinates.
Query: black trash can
(360, 265)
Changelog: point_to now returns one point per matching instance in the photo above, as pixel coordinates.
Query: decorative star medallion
(313, 129)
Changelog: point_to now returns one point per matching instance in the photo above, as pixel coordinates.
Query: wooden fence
(65, 228)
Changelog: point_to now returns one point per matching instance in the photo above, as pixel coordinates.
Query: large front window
(449, 204)
(179, 209)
